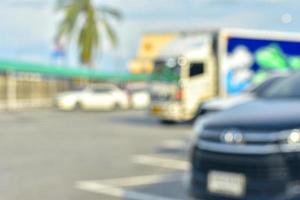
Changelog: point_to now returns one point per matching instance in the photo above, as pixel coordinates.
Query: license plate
(228, 184)
(156, 109)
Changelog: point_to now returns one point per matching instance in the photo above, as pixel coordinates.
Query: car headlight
(293, 137)
(290, 140)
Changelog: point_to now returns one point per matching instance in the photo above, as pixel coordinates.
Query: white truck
(197, 67)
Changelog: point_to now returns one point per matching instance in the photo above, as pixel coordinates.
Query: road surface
(91, 155)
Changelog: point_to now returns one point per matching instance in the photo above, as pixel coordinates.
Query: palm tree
(95, 23)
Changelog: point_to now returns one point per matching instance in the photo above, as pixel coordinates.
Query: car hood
(258, 115)
(220, 103)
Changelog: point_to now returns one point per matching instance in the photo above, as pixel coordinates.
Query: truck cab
(184, 76)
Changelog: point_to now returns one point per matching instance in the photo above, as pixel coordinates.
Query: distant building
(150, 47)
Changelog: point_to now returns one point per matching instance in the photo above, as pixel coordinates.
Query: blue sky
(27, 26)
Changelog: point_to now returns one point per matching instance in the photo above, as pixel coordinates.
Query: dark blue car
(252, 151)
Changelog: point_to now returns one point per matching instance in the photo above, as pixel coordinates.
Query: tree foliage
(96, 21)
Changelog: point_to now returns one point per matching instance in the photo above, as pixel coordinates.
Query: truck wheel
(116, 106)
(77, 107)
(167, 122)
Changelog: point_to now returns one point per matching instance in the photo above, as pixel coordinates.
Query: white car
(139, 98)
(104, 97)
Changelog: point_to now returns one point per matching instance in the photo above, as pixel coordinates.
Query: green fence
(67, 72)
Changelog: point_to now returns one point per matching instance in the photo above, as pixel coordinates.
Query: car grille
(155, 97)
(269, 167)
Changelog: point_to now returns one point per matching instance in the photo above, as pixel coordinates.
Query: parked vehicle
(221, 103)
(251, 151)
(103, 97)
(198, 67)
(139, 98)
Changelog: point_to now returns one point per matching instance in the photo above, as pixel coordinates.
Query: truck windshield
(286, 88)
(167, 70)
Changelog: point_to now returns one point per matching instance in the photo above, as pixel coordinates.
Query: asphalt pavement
(48, 154)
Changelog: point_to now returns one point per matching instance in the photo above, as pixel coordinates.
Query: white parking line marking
(161, 162)
(113, 187)
(142, 180)
(100, 188)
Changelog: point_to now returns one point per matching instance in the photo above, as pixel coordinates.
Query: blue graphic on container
(249, 58)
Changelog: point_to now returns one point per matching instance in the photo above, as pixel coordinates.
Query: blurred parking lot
(149, 100)
(48, 154)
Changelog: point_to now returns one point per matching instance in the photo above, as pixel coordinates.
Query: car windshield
(102, 90)
(79, 89)
(166, 70)
(137, 90)
(287, 88)
(260, 89)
